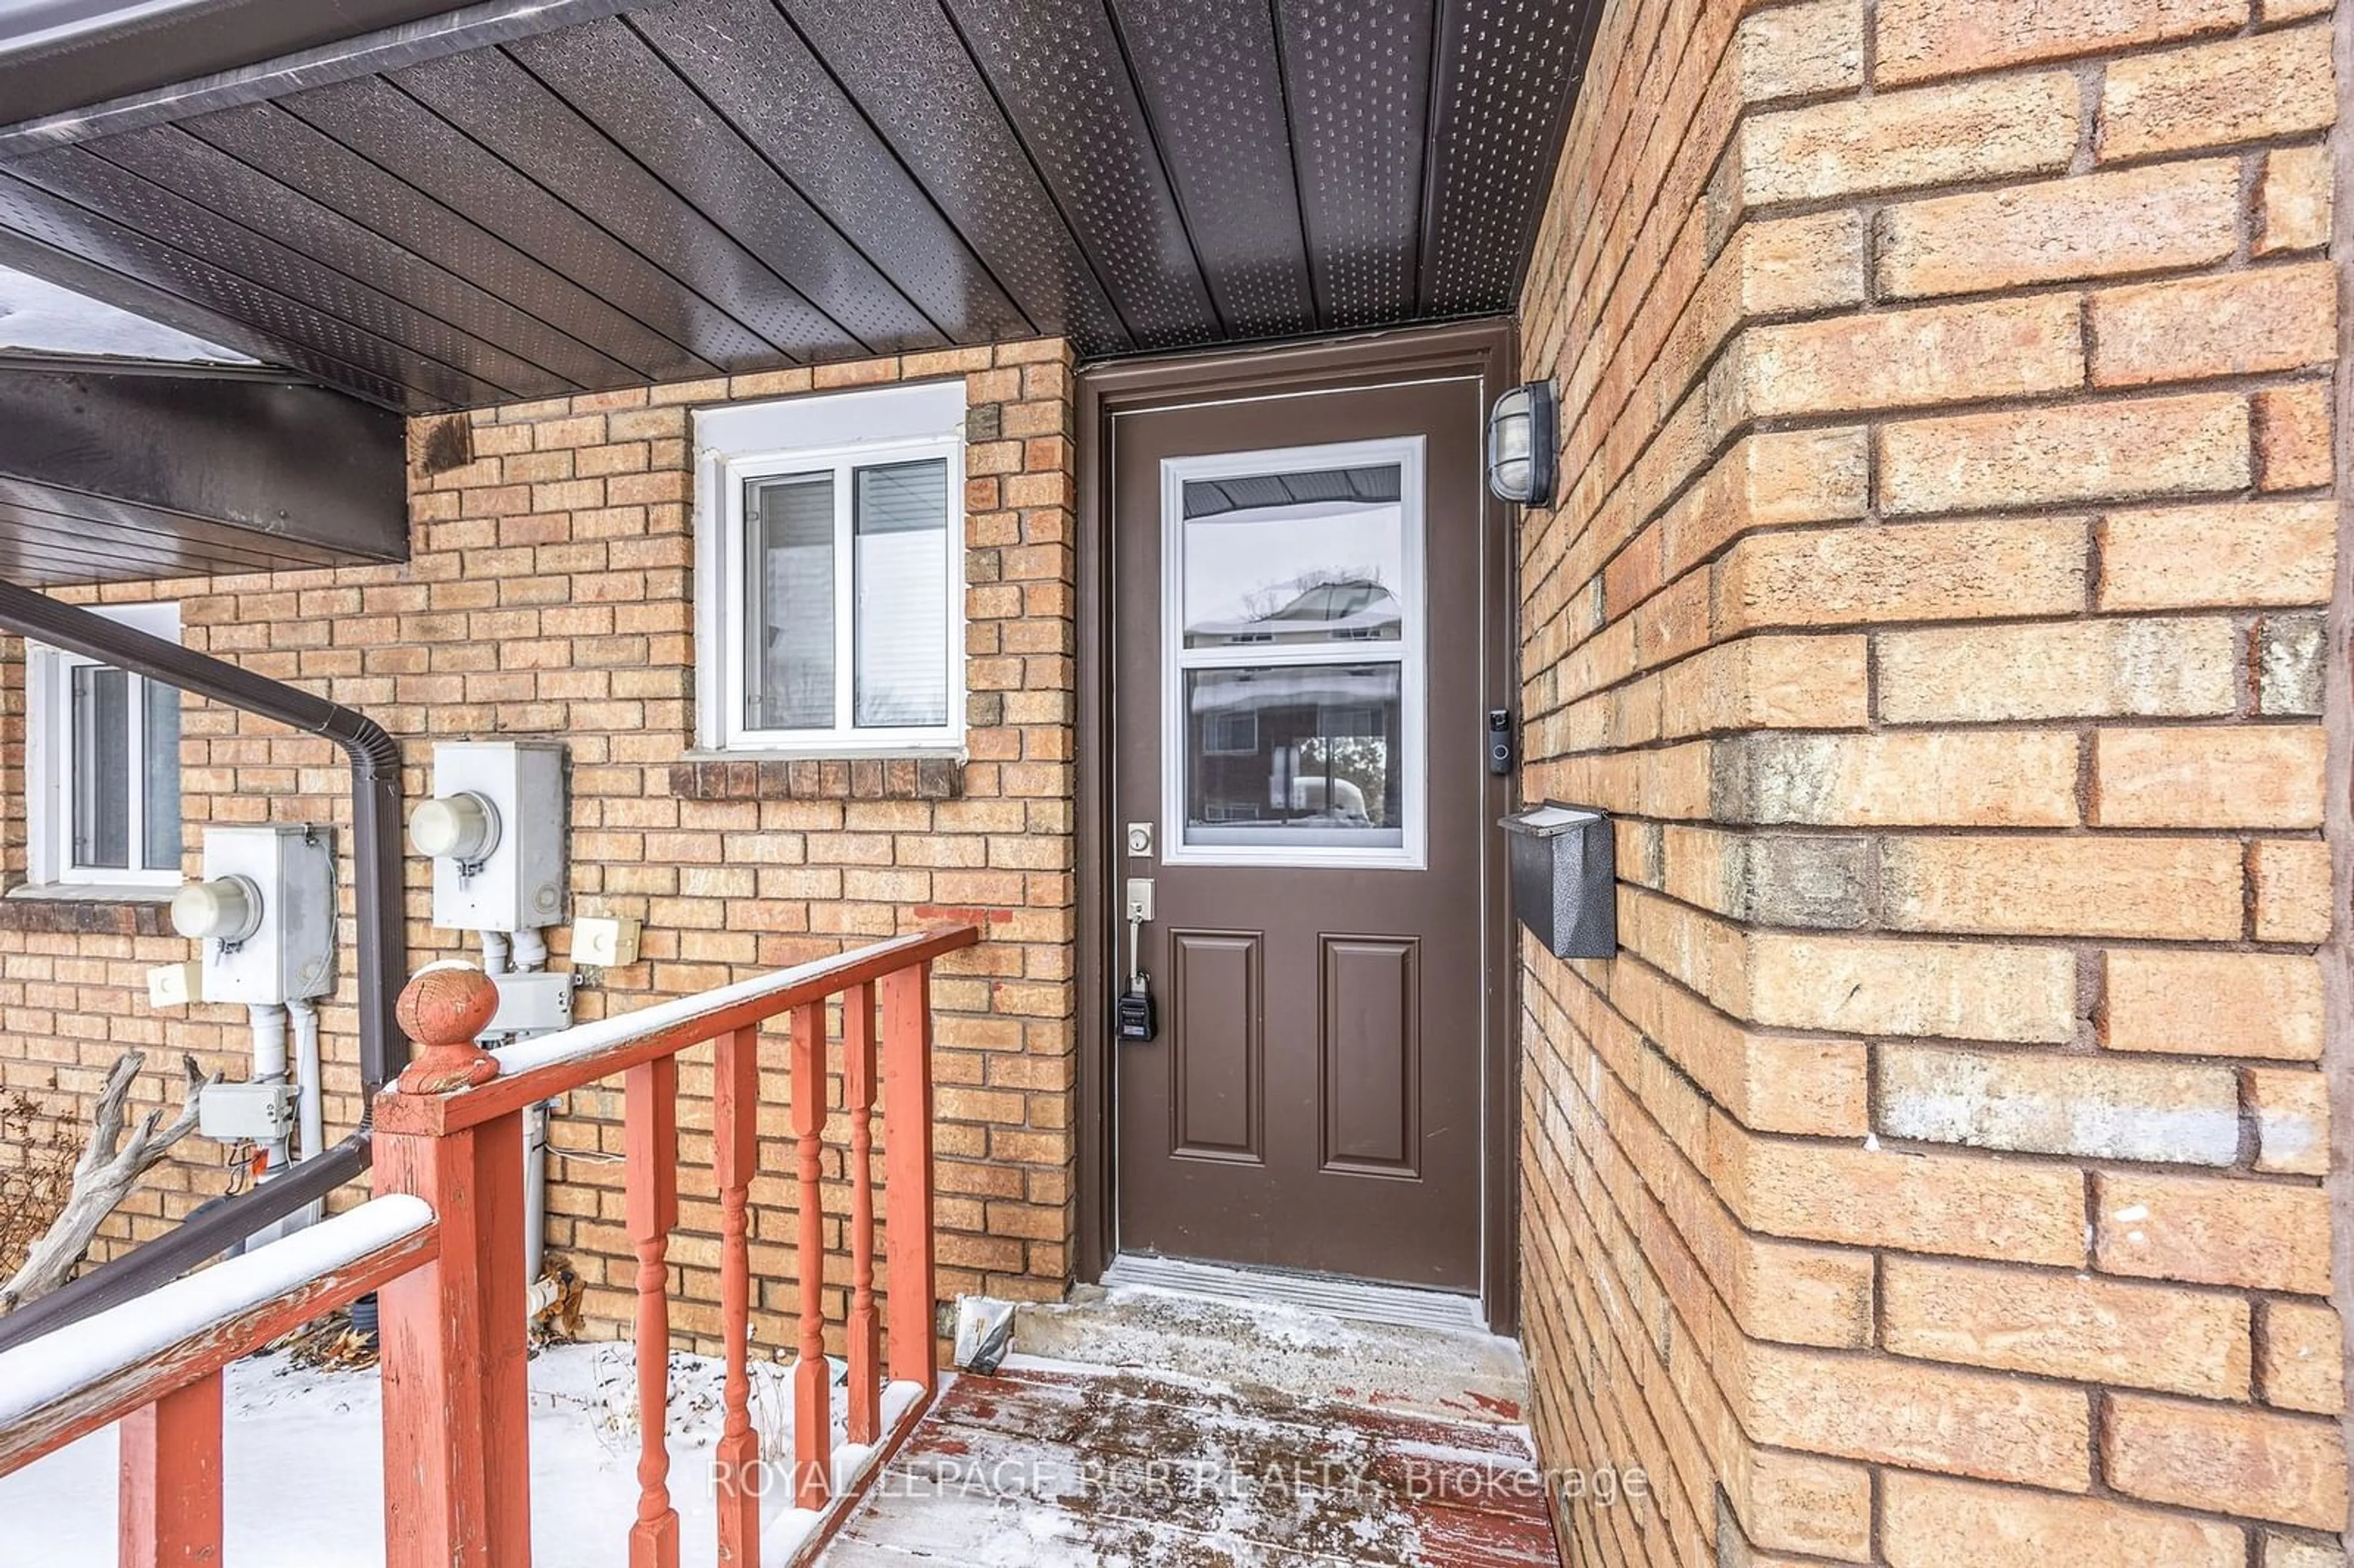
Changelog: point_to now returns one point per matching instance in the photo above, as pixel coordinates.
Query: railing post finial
(442, 1008)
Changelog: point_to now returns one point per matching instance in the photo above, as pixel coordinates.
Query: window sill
(75, 909)
(726, 777)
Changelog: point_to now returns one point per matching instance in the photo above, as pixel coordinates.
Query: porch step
(1349, 1299)
(1299, 1339)
(1089, 1466)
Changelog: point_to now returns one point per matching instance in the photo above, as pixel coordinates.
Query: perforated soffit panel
(518, 201)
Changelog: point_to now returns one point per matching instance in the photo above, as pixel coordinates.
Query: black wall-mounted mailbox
(1566, 879)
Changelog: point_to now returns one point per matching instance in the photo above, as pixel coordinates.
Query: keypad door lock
(1136, 1020)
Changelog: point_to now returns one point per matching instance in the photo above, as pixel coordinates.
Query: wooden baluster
(812, 1383)
(457, 1434)
(651, 1181)
(865, 1332)
(171, 1470)
(734, 1118)
(908, 1171)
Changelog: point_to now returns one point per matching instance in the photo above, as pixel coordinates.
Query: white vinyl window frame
(834, 434)
(52, 789)
(1410, 653)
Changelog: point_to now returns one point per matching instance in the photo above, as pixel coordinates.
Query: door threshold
(1357, 1299)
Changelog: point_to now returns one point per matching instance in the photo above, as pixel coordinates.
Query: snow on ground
(1454, 1374)
(304, 1465)
(1074, 1465)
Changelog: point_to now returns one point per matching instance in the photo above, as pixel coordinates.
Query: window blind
(789, 680)
(101, 763)
(900, 663)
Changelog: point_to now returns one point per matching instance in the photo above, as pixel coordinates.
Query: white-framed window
(102, 764)
(830, 588)
(1292, 660)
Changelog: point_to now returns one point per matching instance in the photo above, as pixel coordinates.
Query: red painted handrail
(442, 1243)
(572, 1059)
(457, 1470)
(154, 1365)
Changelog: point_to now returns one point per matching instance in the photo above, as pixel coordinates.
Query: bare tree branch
(108, 1171)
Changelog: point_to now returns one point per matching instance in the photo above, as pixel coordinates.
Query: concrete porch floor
(1140, 1429)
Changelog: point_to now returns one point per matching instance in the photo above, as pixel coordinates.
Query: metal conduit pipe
(383, 938)
(311, 1108)
(271, 1026)
(530, 949)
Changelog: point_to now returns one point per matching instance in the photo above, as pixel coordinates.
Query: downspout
(382, 940)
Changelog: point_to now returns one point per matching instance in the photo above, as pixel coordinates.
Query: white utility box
(604, 941)
(495, 831)
(175, 985)
(534, 1003)
(248, 1113)
(265, 914)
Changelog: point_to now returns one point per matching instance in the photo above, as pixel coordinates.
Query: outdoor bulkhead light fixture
(1520, 436)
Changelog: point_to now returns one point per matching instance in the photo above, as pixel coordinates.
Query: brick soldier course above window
(809, 779)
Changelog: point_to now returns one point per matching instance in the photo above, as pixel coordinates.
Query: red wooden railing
(154, 1364)
(457, 1464)
(443, 1245)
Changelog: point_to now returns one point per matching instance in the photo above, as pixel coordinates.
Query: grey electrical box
(1566, 879)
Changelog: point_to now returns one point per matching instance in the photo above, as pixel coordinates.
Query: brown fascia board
(72, 69)
(288, 463)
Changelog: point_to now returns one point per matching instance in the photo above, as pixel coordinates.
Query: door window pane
(100, 699)
(1286, 559)
(160, 790)
(1293, 756)
(900, 567)
(788, 678)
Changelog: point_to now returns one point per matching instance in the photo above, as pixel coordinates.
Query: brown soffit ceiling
(521, 201)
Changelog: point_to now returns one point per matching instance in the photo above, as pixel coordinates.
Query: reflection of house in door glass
(1304, 748)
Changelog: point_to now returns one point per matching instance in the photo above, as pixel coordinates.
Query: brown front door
(1298, 721)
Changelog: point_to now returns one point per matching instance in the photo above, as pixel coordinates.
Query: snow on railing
(154, 1364)
(442, 1243)
(587, 1042)
(457, 1460)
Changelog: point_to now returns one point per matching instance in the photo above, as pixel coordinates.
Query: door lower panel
(1370, 1046)
(1217, 1046)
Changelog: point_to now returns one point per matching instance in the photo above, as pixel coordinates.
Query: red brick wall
(1936, 598)
(550, 594)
